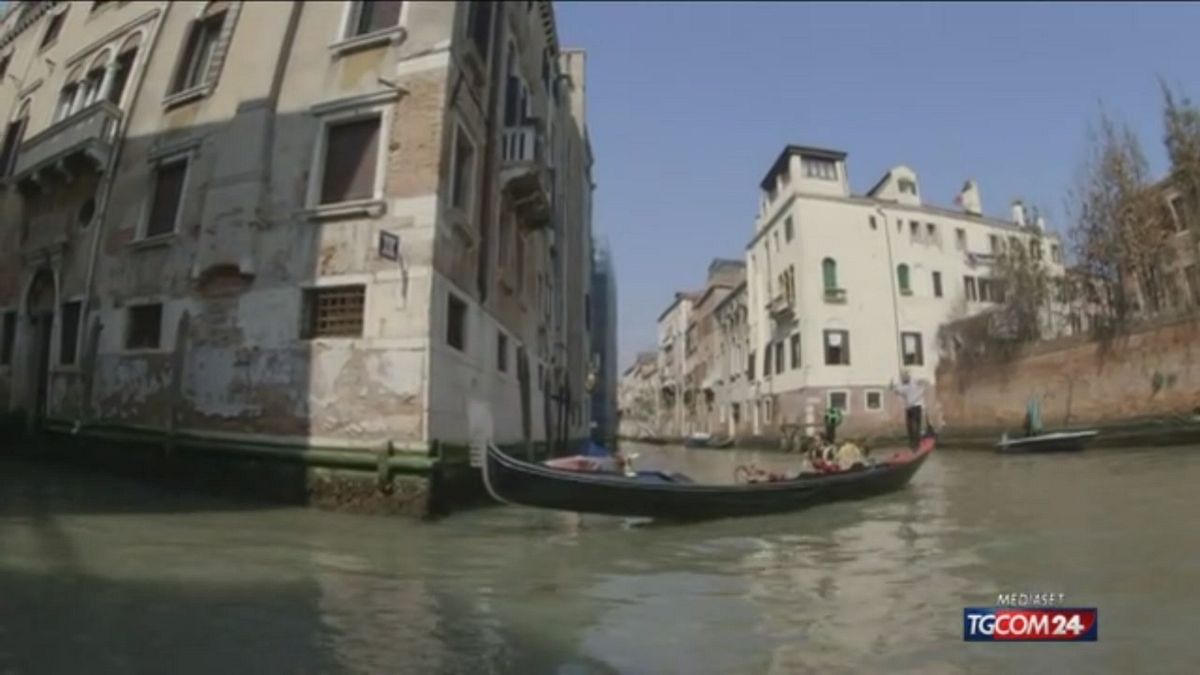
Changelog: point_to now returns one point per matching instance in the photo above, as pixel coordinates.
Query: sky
(689, 103)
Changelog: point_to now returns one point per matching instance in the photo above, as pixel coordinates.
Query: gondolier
(913, 394)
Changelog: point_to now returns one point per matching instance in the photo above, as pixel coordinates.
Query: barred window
(336, 311)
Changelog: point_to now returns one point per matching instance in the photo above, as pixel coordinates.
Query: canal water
(102, 575)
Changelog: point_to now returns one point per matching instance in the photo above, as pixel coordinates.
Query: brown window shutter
(168, 190)
(351, 149)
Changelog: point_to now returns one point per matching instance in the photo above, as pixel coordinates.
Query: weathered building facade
(703, 377)
(604, 404)
(352, 225)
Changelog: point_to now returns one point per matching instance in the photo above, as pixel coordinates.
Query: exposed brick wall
(1149, 373)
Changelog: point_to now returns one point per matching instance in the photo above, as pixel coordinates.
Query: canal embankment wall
(1141, 386)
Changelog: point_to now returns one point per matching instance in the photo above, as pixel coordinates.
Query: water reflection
(105, 575)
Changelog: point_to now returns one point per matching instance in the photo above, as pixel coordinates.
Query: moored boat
(656, 494)
(1058, 441)
(706, 441)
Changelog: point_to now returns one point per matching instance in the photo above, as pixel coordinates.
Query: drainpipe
(106, 190)
(887, 233)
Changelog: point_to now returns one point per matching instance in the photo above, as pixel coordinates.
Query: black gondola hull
(511, 480)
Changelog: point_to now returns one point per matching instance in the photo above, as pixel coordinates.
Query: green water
(102, 575)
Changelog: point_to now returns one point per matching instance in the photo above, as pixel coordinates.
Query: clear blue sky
(689, 103)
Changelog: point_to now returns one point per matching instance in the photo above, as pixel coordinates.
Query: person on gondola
(913, 394)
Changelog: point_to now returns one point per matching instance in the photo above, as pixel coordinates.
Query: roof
(679, 295)
(781, 162)
(880, 184)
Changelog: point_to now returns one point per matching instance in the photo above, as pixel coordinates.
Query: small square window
(334, 311)
(145, 327)
(501, 351)
(69, 332)
(874, 400)
(456, 322)
(839, 400)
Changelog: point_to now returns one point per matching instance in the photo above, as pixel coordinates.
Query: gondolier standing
(913, 394)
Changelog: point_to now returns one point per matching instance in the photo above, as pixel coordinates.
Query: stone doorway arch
(40, 301)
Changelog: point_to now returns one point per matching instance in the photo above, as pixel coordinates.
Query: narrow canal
(102, 575)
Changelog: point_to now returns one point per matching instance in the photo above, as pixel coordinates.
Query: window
(914, 228)
(145, 327)
(1055, 253)
(372, 16)
(969, 289)
(333, 311)
(91, 87)
(930, 230)
(1035, 249)
(788, 231)
(68, 332)
(824, 169)
(839, 400)
(766, 406)
(124, 66)
(767, 354)
(166, 198)
(907, 186)
(874, 400)
(994, 243)
(501, 351)
(871, 220)
(53, 28)
(910, 344)
(464, 170)
(776, 233)
(985, 290)
(456, 322)
(829, 274)
(348, 167)
(960, 238)
(479, 26)
(837, 348)
(750, 366)
(197, 58)
(4, 61)
(937, 284)
(12, 140)
(8, 337)
(736, 412)
(902, 279)
(795, 345)
(779, 362)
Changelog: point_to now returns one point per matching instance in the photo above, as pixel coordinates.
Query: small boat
(706, 441)
(1058, 441)
(655, 494)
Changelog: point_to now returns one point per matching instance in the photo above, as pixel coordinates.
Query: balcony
(69, 146)
(780, 306)
(835, 296)
(525, 176)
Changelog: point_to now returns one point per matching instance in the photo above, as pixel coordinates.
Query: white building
(844, 291)
(672, 362)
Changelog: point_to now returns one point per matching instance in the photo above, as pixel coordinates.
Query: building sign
(389, 245)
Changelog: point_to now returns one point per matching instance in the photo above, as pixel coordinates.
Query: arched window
(902, 279)
(829, 273)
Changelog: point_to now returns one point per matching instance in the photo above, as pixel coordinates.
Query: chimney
(969, 199)
(1018, 213)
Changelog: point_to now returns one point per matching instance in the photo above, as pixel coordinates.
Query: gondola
(1059, 441)
(654, 494)
(706, 441)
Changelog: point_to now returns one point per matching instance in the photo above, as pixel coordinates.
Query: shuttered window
(168, 192)
(351, 150)
(373, 15)
(200, 49)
